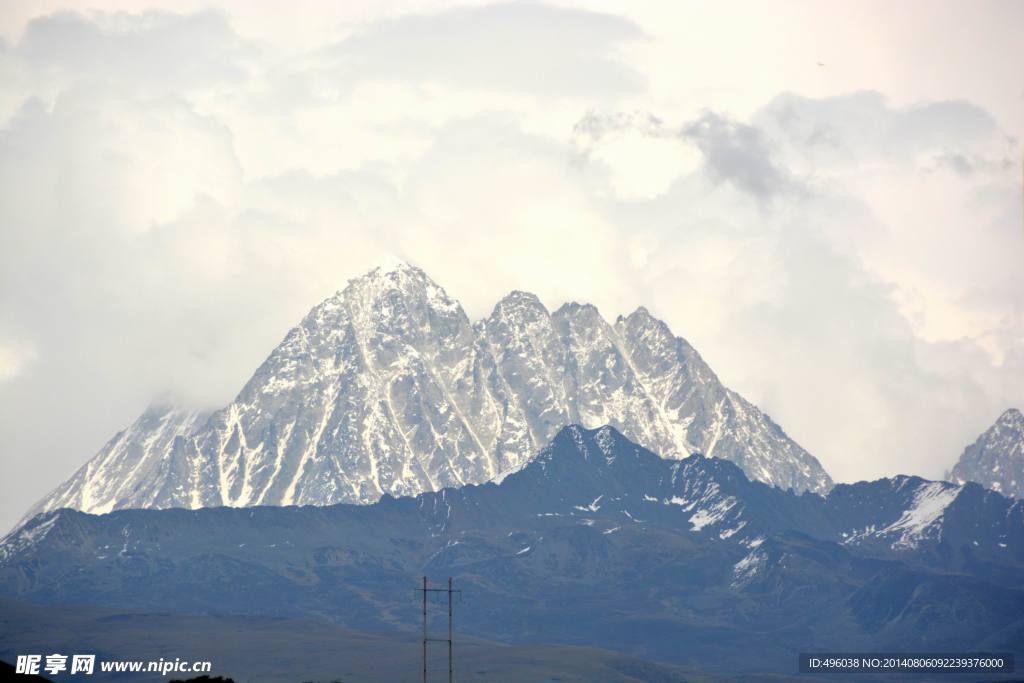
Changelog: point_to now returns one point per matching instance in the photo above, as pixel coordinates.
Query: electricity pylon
(426, 589)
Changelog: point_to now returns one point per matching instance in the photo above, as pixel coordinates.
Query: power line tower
(425, 590)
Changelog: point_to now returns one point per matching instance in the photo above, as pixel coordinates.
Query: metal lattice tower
(426, 638)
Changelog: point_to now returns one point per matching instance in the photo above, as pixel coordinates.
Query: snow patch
(593, 507)
(711, 515)
(748, 568)
(918, 522)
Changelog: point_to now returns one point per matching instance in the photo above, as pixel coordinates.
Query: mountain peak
(585, 470)
(388, 292)
(1012, 417)
(576, 449)
(996, 459)
(574, 309)
(641, 323)
(517, 298)
(519, 310)
(394, 274)
(393, 265)
(641, 313)
(605, 441)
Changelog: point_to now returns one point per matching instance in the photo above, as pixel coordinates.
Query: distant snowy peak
(996, 459)
(388, 387)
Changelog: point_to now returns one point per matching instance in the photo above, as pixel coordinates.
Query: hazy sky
(824, 198)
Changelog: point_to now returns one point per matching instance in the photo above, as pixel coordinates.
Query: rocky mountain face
(996, 459)
(388, 387)
(595, 541)
(131, 470)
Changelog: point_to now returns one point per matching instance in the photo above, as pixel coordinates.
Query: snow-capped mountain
(996, 459)
(388, 387)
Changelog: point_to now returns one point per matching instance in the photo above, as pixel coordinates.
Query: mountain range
(387, 387)
(595, 541)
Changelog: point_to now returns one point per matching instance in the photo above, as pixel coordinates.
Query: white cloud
(863, 127)
(517, 46)
(641, 156)
(152, 49)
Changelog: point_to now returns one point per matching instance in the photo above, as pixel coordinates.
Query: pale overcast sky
(825, 198)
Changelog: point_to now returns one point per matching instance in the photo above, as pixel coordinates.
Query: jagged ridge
(387, 387)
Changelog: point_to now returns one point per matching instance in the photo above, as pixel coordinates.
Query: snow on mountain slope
(996, 459)
(387, 387)
(923, 505)
(138, 467)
